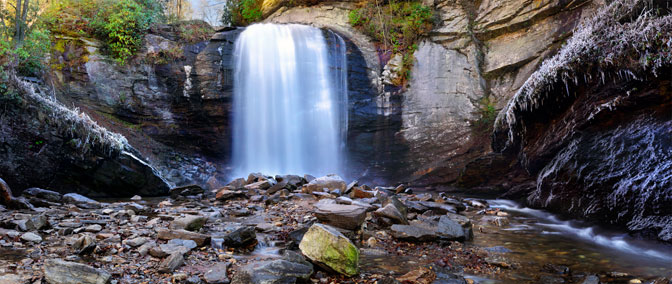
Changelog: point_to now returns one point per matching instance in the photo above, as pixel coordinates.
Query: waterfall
(290, 101)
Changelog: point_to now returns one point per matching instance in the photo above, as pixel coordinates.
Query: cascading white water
(290, 101)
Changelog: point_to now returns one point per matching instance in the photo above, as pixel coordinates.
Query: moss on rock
(327, 247)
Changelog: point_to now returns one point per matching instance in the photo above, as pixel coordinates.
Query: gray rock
(291, 268)
(391, 212)
(591, 279)
(57, 271)
(81, 201)
(240, 236)
(171, 263)
(95, 228)
(42, 194)
(349, 217)
(328, 183)
(31, 237)
(414, 233)
(200, 239)
(189, 222)
(84, 245)
(455, 227)
(135, 242)
(217, 274)
(187, 190)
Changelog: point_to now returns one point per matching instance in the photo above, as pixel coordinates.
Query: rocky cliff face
(478, 49)
(45, 144)
(593, 123)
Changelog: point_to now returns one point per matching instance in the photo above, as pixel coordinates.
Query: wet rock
(136, 198)
(290, 269)
(146, 248)
(277, 187)
(292, 180)
(348, 217)
(422, 275)
(217, 274)
(171, 263)
(591, 279)
(358, 192)
(391, 212)
(328, 183)
(495, 220)
(189, 222)
(5, 193)
(260, 185)
(57, 271)
(47, 195)
(226, 194)
(455, 227)
(200, 239)
(31, 237)
(137, 208)
(95, 228)
(240, 237)
(32, 223)
(439, 208)
(188, 190)
(413, 233)
(81, 201)
(172, 247)
(11, 279)
(550, 279)
(326, 246)
(84, 245)
(135, 242)
(236, 184)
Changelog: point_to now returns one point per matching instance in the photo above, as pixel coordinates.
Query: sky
(208, 10)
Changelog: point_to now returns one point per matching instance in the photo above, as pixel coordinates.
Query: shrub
(121, 25)
(242, 12)
(194, 31)
(396, 26)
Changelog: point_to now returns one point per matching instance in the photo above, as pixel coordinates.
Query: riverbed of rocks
(259, 229)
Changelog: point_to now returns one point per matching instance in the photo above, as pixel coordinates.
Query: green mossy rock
(327, 247)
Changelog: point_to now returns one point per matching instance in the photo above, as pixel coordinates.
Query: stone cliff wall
(478, 49)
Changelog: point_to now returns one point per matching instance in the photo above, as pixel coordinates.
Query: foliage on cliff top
(627, 36)
(242, 12)
(121, 24)
(396, 25)
(194, 31)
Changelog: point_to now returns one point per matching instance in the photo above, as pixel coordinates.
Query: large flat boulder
(348, 217)
(58, 271)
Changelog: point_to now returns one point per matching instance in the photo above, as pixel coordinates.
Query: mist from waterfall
(290, 101)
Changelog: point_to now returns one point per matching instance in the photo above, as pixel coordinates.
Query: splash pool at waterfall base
(248, 225)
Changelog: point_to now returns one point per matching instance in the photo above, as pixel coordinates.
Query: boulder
(413, 232)
(225, 194)
(5, 193)
(391, 212)
(292, 267)
(200, 239)
(329, 248)
(81, 201)
(84, 245)
(262, 185)
(241, 236)
(44, 194)
(171, 262)
(216, 274)
(189, 222)
(187, 190)
(31, 237)
(348, 217)
(455, 227)
(57, 271)
(329, 182)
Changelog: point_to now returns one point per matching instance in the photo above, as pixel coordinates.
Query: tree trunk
(24, 24)
(17, 23)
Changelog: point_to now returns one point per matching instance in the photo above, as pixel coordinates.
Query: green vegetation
(194, 31)
(242, 12)
(487, 113)
(396, 26)
(120, 24)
